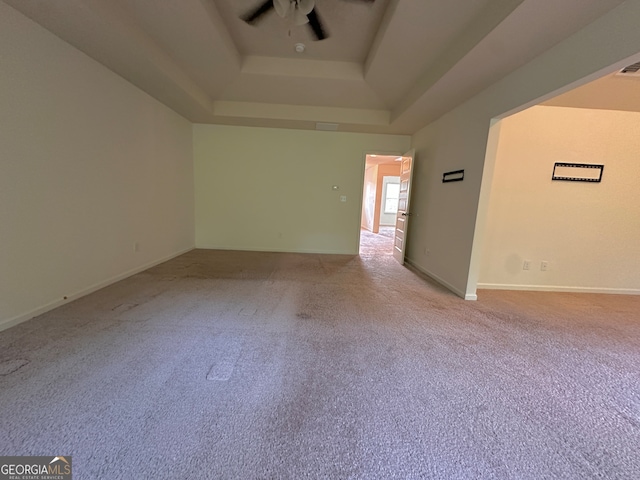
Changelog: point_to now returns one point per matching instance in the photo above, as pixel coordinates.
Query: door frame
(363, 169)
(404, 214)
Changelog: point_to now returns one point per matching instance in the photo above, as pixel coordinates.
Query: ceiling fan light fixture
(305, 6)
(283, 7)
(297, 9)
(297, 12)
(300, 18)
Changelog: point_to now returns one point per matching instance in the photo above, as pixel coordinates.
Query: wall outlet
(526, 265)
(544, 265)
(427, 252)
(343, 198)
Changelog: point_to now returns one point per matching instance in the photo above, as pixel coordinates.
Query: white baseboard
(442, 282)
(273, 250)
(4, 324)
(559, 288)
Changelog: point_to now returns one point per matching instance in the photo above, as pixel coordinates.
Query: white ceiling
(611, 92)
(390, 66)
(274, 36)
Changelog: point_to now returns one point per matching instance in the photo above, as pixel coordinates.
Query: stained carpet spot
(124, 307)
(248, 311)
(222, 369)
(303, 315)
(10, 366)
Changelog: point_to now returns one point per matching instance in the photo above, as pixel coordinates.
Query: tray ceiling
(390, 66)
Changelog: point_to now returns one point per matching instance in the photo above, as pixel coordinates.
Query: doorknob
(406, 214)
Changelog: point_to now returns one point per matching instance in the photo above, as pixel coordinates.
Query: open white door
(402, 217)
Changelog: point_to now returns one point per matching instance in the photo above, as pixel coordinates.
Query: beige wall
(441, 229)
(89, 165)
(587, 232)
(447, 229)
(271, 189)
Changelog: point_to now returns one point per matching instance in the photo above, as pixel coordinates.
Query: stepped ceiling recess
(388, 66)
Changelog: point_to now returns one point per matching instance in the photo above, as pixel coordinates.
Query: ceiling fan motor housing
(296, 9)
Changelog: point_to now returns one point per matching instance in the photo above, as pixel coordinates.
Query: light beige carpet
(262, 365)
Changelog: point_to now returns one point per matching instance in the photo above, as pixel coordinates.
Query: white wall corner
(475, 261)
(414, 266)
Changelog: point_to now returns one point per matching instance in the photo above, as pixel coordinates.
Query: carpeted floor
(245, 365)
(374, 244)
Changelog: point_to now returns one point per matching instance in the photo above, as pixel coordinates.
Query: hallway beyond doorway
(372, 244)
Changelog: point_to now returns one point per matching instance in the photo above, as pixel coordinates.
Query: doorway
(594, 124)
(379, 204)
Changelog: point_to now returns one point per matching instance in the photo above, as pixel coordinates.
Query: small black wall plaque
(577, 172)
(455, 176)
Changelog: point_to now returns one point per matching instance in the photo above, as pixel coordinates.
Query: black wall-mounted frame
(577, 172)
(454, 176)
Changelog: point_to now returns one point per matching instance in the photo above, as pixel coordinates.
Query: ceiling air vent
(327, 127)
(630, 71)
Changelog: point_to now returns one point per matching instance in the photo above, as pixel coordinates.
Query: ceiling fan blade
(316, 25)
(283, 7)
(252, 16)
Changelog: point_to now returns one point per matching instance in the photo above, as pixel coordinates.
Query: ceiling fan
(300, 12)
